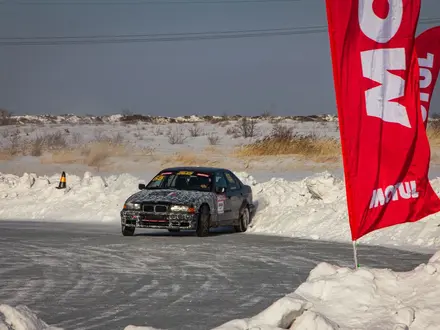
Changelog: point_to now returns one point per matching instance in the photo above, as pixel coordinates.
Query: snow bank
(89, 199)
(21, 318)
(342, 298)
(313, 208)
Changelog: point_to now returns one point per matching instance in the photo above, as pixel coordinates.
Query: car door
(234, 194)
(223, 202)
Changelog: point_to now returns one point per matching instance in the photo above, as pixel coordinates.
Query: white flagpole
(356, 265)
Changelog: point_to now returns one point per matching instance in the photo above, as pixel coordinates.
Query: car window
(220, 180)
(183, 180)
(162, 179)
(236, 179)
(232, 183)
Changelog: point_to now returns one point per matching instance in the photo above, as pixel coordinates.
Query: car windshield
(182, 180)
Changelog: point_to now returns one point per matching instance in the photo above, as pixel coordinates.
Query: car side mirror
(141, 186)
(220, 190)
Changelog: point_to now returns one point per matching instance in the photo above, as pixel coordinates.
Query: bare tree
(246, 127)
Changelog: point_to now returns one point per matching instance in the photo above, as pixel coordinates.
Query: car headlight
(179, 208)
(132, 206)
(182, 208)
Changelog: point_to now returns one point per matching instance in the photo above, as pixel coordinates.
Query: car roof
(195, 169)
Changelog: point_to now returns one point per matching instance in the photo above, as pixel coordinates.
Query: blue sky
(287, 75)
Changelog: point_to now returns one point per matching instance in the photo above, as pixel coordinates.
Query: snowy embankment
(341, 298)
(331, 298)
(313, 208)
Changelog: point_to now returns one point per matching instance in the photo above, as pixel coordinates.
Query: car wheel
(243, 222)
(203, 222)
(127, 231)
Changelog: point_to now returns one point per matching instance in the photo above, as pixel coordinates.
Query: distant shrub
(213, 139)
(37, 147)
(176, 136)
(195, 130)
(55, 140)
(281, 132)
(157, 131)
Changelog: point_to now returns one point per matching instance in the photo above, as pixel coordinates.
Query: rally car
(193, 198)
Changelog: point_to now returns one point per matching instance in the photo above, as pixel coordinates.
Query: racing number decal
(221, 204)
(220, 207)
(185, 173)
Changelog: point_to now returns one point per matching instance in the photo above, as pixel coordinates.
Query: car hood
(167, 196)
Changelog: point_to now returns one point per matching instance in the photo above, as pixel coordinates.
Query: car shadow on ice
(186, 233)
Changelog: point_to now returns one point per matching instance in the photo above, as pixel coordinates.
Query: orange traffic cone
(62, 184)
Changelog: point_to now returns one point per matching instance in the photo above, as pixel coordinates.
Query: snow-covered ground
(78, 145)
(111, 145)
(331, 298)
(294, 197)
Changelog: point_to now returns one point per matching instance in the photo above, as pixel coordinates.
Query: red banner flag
(428, 52)
(385, 148)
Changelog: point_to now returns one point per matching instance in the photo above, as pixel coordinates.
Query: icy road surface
(89, 277)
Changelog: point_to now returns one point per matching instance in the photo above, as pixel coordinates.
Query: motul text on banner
(385, 148)
(428, 52)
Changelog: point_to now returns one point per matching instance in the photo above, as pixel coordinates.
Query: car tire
(128, 231)
(243, 221)
(203, 222)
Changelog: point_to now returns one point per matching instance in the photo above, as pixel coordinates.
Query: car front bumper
(141, 219)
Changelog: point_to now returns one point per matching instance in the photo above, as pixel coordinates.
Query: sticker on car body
(221, 204)
(158, 178)
(184, 173)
